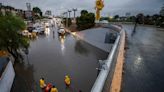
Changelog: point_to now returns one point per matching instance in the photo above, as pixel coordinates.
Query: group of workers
(51, 88)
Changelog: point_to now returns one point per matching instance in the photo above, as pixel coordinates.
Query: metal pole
(69, 11)
(66, 19)
(74, 10)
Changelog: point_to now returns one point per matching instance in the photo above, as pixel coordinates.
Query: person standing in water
(42, 83)
(54, 89)
(67, 81)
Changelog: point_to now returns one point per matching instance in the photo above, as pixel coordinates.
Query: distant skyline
(112, 7)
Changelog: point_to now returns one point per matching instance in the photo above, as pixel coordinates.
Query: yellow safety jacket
(67, 80)
(42, 83)
(54, 90)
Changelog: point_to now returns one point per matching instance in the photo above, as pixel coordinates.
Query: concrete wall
(7, 78)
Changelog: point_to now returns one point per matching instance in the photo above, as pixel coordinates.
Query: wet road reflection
(52, 57)
(144, 60)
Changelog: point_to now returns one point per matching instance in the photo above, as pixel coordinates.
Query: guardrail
(100, 81)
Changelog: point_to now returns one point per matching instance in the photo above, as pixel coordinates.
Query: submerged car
(61, 31)
(39, 30)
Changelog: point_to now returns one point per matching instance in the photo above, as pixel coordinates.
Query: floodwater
(144, 60)
(52, 57)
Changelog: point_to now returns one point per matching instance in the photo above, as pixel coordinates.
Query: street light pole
(69, 11)
(66, 19)
(74, 10)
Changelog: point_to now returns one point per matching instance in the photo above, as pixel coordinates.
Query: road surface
(144, 66)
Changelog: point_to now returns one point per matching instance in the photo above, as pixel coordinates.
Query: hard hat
(66, 76)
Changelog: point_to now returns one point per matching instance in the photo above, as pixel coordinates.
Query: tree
(37, 12)
(140, 18)
(86, 20)
(10, 38)
(116, 16)
(84, 12)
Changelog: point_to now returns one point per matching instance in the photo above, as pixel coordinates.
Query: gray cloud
(112, 7)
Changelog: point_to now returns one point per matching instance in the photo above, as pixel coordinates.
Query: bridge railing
(106, 67)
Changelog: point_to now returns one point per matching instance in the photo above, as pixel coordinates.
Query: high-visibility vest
(42, 83)
(67, 80)
(54, 90)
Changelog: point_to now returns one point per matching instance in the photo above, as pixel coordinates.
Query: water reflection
(138, 64)
(24, 79)
(47, 31)
(80, 48)
(62, 41)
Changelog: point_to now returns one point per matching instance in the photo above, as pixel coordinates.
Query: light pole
(65, 13)
(66, 18)
(69, 11)
(74, 10)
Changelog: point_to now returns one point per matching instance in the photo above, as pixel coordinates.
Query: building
(48, 13)
(8, 9)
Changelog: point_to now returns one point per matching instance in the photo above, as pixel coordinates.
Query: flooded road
(144, 60)
(52, 57)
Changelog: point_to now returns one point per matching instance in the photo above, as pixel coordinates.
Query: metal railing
(100, 81)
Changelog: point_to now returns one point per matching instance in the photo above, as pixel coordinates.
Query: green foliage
(10, 37)
(83, 12)
(86, 20)
(37, 11)
(116, 16)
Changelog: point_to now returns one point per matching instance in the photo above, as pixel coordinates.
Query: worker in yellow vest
(67, 80)
(54, 89)
(42, 83)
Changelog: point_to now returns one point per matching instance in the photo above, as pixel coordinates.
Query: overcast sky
(112, 7)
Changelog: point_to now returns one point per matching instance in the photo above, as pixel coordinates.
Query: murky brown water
(53, 57)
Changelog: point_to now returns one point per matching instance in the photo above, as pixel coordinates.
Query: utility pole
(62, 15)
(74, 10)
(69, 11)
(66, 18)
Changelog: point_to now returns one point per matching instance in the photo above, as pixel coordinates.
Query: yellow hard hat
(66, 76)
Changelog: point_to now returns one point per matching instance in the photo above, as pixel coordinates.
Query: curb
(117, 77)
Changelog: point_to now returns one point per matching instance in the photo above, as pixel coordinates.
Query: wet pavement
(52, 57)
(144, 60)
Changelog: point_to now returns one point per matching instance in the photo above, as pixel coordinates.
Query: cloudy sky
(112, 7)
